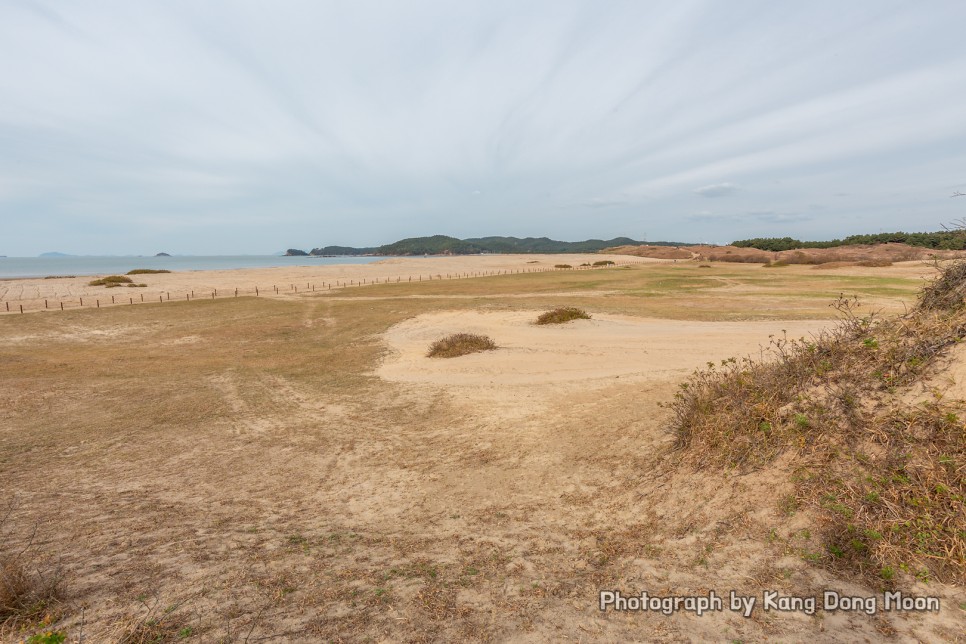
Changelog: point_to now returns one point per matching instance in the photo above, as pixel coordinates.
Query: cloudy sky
(249, 127)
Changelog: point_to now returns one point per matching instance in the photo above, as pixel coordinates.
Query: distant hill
(445, 245)
(342, 250)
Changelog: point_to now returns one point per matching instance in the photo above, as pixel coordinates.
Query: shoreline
(40, 293)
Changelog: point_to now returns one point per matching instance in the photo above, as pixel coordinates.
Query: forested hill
(942, 240)
(444, 245)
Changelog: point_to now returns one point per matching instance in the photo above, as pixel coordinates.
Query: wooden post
(82, 301)
(98, 303)
(130, 300)
(236, 292)
(45, 304)
(168, 295)
(256, 291)
(161, 299)
(61, 306)
(142, 297)
(186, 298)
(112, 299)
(21, 309)
(8, 307)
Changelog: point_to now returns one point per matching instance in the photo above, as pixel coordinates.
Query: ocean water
(43, 266)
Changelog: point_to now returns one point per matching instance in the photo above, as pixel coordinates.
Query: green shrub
(604, 262)
(147, 271)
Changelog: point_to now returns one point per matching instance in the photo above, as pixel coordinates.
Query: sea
(14, 267)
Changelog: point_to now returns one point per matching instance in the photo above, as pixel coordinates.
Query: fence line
(325, 286)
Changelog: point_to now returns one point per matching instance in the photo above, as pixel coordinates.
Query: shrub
(136, 285)
(147, 271)
(604, 262)
(885, 474)
(704, 265)
(562, 266)
(460, 344)
(561, 315)
(110, 279)
(59, 277)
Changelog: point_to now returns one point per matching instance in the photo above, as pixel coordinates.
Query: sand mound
(600, 349)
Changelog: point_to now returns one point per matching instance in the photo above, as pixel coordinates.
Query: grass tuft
(561, 315)
(460, 344)
(110, 279)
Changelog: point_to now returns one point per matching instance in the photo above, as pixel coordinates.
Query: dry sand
(228, 454)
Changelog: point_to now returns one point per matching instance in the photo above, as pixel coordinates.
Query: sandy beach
(31, 292)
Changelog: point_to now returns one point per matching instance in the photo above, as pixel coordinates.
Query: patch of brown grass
(109, 280)
(460, 344)
(886, 476)
(561, 315)
(30, 589)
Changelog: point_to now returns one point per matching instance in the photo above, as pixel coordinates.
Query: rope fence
(31, 305)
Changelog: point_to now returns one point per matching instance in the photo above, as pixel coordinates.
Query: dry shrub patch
(31, 589)
(562, 266)
(147, 271)
(884, 472)
(561, 315)
(460, 344)
(110, 279)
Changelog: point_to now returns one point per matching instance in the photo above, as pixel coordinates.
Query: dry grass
(561, 315)
(111, 280)
(886, 475)
(460, 344)
(158, 445)
(147, 271)
(31, 590)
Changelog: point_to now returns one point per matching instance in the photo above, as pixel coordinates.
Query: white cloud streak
(308, 123)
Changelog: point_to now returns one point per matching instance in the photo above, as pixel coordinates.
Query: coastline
(36, 292)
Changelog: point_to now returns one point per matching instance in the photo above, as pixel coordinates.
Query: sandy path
(603, 348)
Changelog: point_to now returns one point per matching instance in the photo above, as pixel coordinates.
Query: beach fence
(22, 305)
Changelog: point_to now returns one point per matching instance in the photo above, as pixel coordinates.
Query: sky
(235, 127)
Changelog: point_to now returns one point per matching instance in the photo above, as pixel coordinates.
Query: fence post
(21, 309)
(82, 301)
(61, 306)
(161, 299)
(45, 304)
(256, 291)
(8, 307)
(142, 297)
(130, 300)
(98, 303)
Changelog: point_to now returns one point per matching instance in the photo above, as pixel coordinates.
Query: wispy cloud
(717, 190)
(133, 126)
